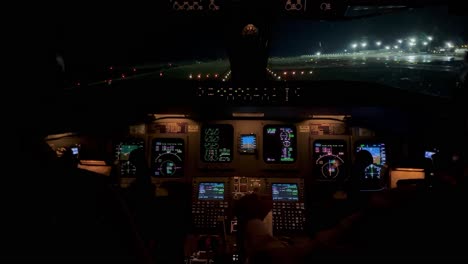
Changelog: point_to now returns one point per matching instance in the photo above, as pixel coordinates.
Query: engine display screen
(122, 154)
(216, 143)
(329, 157)
(211, 191)
(285, 192)
(279, 144)
(248, 143)
(168, 157)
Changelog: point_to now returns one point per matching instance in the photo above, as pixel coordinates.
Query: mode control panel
(244, 95)
(210, 204)
(243, 185)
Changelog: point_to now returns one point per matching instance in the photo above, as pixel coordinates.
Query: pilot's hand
(253, 206)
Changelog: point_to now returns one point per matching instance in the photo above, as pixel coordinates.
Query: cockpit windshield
(416, 49)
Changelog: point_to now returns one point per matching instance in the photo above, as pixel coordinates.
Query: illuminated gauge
(330, 166)
(330, 170)
(372, 172)
(284, 136)
(168, 164)
(127, 168)
(168, 168)
(286, 143)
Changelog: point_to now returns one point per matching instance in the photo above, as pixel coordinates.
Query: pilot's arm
(261, 247)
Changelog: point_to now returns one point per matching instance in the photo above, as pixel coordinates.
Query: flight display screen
(329, 156)
(217, 142)
(75, 151)
(125, 151)
(168, 157)
(248, 143)
(211, 191)
(279, 144)
(285, 192)
(379, 158)
(122, 154)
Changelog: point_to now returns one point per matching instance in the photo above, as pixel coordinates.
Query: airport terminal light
(400, 41)
(412, 44)
(387, 47)
(345, 50)
(318, 53)
(425, 43)
(449, 44)
(364, 44)
(378, 43)
(354, 45)
(412, 40)
(396, 47)
(429, 38)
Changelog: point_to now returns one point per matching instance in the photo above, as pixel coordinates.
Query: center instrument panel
(214, 198)
(226, 159)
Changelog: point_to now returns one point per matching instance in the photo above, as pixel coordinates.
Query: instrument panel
(216, 143)
(279, 144)
(122, 154)
(168, 157)
(251, 148)
(330, 159)
(374, 175)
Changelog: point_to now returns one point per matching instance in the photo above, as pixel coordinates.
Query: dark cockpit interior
(235, 131)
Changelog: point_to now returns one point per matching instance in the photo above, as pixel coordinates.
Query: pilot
(53, 212)
(257, 245)
(141, 195)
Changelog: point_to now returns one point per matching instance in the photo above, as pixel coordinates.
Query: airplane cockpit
(319, 109)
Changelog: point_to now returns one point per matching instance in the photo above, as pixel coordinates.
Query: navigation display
(125, 151)
(279, 144)
(211, 191)
(285, 192)
(329, 157)
(216, 143)
(168, 157)
(122, 154)
(248, 143)
(379, 158)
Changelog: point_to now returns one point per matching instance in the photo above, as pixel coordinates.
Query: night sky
(91, 42)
